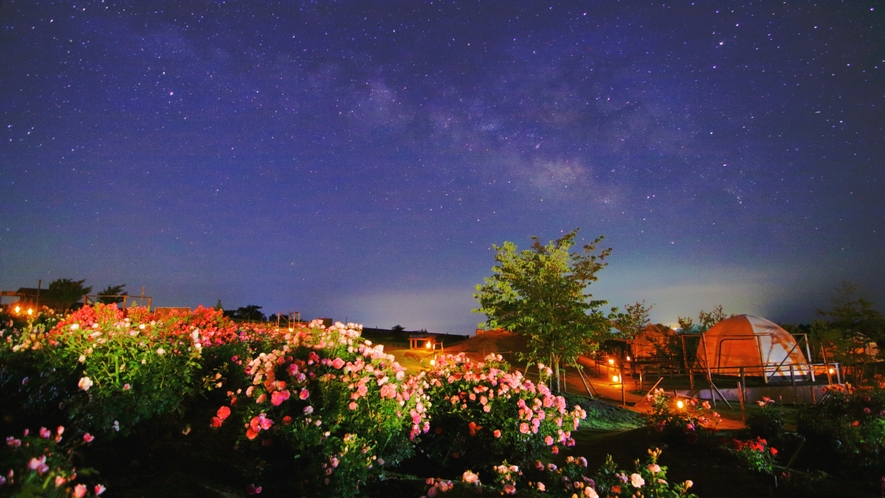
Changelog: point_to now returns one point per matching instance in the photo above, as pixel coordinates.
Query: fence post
(741, 399)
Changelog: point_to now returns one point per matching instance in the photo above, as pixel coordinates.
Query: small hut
(426, 342)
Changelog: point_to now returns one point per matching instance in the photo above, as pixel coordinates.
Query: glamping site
(442, 248)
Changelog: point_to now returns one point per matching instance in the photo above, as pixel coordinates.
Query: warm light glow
(291, 329)
(611, 361)
(680, 404)
(428, 345)
(432, 362)
(628, 358)
(17, 309)
(30, 311)
(831, 370)
(615, 379)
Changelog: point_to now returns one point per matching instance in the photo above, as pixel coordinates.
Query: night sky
(357, 160)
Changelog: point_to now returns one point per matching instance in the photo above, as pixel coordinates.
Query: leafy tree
(853, 315)
(251, 313)
(634, 320)
(843, 332)
(67, 292)
(705, 320)
(540, 293)
(398, 329)
(686, 324)
(112, 294)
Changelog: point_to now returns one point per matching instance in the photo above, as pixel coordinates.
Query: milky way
(357, 160)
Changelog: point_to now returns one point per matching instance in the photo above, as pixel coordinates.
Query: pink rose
(277, 397)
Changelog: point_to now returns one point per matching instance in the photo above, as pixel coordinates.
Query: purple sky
(357, 159)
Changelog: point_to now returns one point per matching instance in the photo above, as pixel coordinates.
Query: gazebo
(426, 342)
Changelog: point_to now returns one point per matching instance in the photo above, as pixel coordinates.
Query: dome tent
(760, 346)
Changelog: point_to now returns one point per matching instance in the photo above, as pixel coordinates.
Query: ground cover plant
(309, 411)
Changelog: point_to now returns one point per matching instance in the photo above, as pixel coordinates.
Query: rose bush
(482, 413)
(683, 420)
(756, 454)
(41, 465)
(332, 408)
(129, 368)
(849, 422)
(573, 479)
(768, 421)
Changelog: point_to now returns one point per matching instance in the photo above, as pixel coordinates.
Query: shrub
(39, 465)
(128, 371)
(481, 413)
(756, 454)
(326, 409)
(572, 480)
(768, 421)
(850, 423)
(30, 381)
(684, 423)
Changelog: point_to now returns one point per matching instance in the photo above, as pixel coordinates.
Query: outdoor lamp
(17, 309)
(679, 404)
(615, 379)
(30, 311)
(611, 361)
(428, 345)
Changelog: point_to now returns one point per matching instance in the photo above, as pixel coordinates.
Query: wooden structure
(426, 342)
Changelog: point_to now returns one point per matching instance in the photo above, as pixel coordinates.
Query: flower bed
(310, 411)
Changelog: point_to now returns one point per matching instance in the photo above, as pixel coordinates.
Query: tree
(634, 320)
(844, 333)
(853, 315)
(705, 320)
(686, 324)
(250, 313)
(540, 293)
(112, 294)
(67, 292)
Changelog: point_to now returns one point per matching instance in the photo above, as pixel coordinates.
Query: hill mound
(490, 341)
